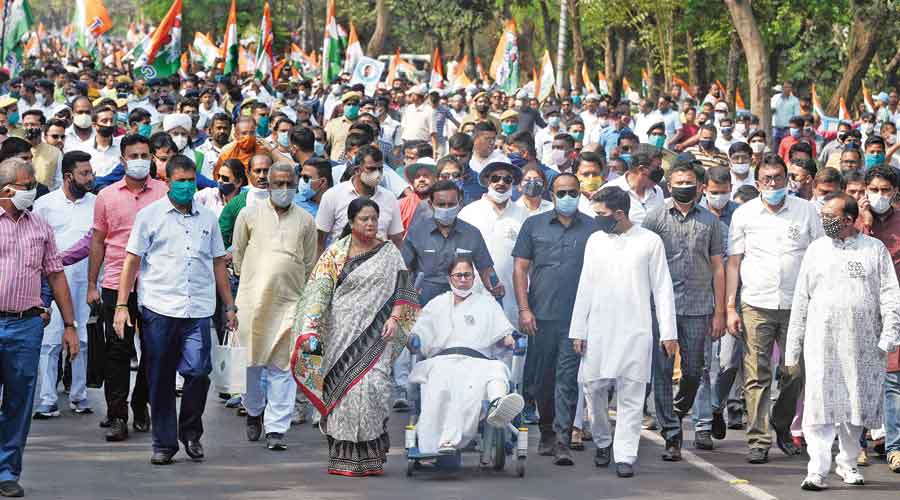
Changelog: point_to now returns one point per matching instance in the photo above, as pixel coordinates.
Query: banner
(505, 64)
(367, 72)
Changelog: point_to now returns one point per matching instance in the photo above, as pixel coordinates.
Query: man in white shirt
(611, 325)
(668, 116)
(332, 215)
(543, 139)
(484, 151)
(104, 148)
(80, 135)
(785, 105)
(70, 212)
(591, 114)
(643, 119)
(768, 237)
(417, 122)
(644, 193)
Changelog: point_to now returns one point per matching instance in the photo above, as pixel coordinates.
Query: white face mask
(22, 200)
(499, 197)
(137, 169)
(82, 120)
(282, 198)
(180, 141)
(718, 200)
(371, 179)
(879, 204)
(557, 157)
(740, 168)
(460, 292)
(757, 147)
(739, 129)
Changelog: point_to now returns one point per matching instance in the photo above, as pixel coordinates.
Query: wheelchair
(494, 445)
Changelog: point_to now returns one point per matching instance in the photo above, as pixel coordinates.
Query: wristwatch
(73, 324)
(231, 308)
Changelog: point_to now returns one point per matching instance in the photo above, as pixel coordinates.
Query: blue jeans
(20, 351)
(182, 345)
(707, 400)
(892, 412)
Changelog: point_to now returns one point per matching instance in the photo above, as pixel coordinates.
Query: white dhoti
(629, 411)
(453, 388)
(819, 439)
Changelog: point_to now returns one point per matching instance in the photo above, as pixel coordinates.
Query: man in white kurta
(70, 212)
(624, 267)
(844, 317)
(454, 385)
(274, 254)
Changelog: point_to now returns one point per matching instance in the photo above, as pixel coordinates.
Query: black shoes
(11, 489)
(546, 444)
(141, 422)
(161, 458)
(703, 440)
(785, 442)
(562, 455)
(193, 449)
(758, 456)
(118, 430)
(624, 470)
(254, 428)
(275, 441)
(673, 450)
(719, 428)
(602, 456)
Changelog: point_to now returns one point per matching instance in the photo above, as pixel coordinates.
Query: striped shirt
(27, 252)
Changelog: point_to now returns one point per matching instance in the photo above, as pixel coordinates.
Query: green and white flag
(159, 54)
(332, 49)
(264, 59)
(230, 52)
(18, 23)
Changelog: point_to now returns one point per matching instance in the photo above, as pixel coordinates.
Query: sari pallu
(345, 305)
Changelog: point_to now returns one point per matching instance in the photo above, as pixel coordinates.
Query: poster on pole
(367, 72)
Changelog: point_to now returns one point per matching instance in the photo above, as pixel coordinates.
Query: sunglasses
(571, 193)
(506, 179)
(462, 276)
(450, 175)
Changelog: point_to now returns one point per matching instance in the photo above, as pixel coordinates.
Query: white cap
(175, 120)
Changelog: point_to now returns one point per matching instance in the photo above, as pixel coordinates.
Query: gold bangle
(120, 306)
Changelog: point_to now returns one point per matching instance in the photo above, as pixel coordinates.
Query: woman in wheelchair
(458, 332)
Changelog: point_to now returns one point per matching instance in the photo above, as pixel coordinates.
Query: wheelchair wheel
(499, 449)
(410, 467)
(520, 467)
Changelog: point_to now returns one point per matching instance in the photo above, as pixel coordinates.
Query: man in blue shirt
(179, 250)
(315, 179)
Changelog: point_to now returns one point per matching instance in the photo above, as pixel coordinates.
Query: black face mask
(32, 133)
(606, 223)
(684, 194)
(656, 175)
(107, 131)
(707, 144)
(226, 188)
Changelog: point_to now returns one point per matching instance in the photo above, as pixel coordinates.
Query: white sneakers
(850, 475)
(814, 482)
(504, 409)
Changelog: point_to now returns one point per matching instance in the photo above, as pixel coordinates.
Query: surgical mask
(657, 141)
(603, 122)
(262, 126)
(460, 292)
(122, 117)
(557, 157)
(22, 200)
(291, 102)
(774, 196)
(499, 197)
(874, 159)
(590, 184)
(795, 132)
(145, 129)
(566, 205)
(878, 203)
(517, 160)
(757, 147)
(720, 115)
(740, 168)
(284, 139)
(626, 157)
(578, 136)
(282, 198)
(13, 118)
(226, 188)
(82, 120)
(137, 169)
(182, 192)
(867, 128)
(319, 148)
(684, 194)
(606, 223)
(740, 128)
(509, 128)
(576, 100)
(351, 111)
(727, 130)
(446, 216)
(305, 190)
(718, 200)
(180, 141)
(832, 227)
(553, 122)
(533, 188)
(707, 144)
(371, 179)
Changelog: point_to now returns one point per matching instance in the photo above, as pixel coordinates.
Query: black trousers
(118, 359)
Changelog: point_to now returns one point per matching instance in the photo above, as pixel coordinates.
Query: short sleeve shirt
(332, 214)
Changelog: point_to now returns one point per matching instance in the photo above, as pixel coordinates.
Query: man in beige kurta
(274, 253)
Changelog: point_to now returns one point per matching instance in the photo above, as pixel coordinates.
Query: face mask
(509, 128)
(566, 205)
(684, 194)
(793, 187)
(137, 169)
(182, 192)
(122, 117)
(262, 126)
(657, 141)
(32, 134)
(517, 160)
(603, 122)
(282, 198)
(656, 175)
(446, 216)
(371, 179)
(284, 139)
(878, 203)
(533, 188)
(757, 147)
(874, 159)
(499, 197)
(626, 157)
(590, 184)
(145, 129)
(106, 131)
(795, 132)
(740, 168)
(719, 115)
(461, 293)
(578, 136)
(351, 111)
(553, 122)
(557, 157)
(727, 130)
(291, 102)
(39, 99)
(717, 201)
(867, 128)
(576, 100)
(707, 144)
(22, 200)
(606, 223)
(13, 118)
(305, 190)
(774, 196)
(82, 120)
(740, 128)
(832, 227)
(180, 141)
(319, 148)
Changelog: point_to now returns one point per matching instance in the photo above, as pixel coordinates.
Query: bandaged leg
(504, 406)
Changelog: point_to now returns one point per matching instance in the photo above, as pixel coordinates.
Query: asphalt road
(67, 458)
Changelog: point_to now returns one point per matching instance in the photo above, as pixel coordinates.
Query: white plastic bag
(229, 366)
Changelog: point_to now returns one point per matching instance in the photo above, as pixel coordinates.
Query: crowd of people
(665, 258)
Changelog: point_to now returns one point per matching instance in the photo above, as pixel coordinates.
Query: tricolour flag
(354, 50)
(685, 93)
(645, 83)
(392, 68)
(828, 122)
(159, 54)
(460, 80)
(265, 62)
(91, 21)
(586, 76)
(602, 84)
(739, 105)
(479, 70)
(331, 47)
(867, 98)
(547, 79)
(437, 70)
(230, 54)
(15, 33)
(505, 64)
(843, 114)
(204, 50)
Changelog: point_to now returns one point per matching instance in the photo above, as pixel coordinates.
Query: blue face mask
(874, 159)
(517, 160)
(319, 148)
(566, 205)
(509, 128)
(284, 139)
(262, 126)
(182, 192)
(774, 196)
(305, 190)
(13, 118)
(145, 129)
(446, 216)
(122, 117)
(657, 140)
(626, 157)
(351, 111)
(578, 136)
(576, 100)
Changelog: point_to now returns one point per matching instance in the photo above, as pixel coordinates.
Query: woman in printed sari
(358, 305)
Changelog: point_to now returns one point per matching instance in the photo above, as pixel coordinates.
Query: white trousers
(819, 439)
(49, 373)
(629, 411)
(276, 397)
(402, 367)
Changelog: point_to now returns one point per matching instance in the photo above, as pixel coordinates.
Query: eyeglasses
(28, 187)
(462, 276)
(571, 193)
(449, 175)
(506, 179)
(771, 179)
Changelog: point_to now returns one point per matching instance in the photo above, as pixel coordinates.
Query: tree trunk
(693, 71)
(470, 49)
(891, 71)
(577, 44)
(616, 59)
(376, 43)
(562, 44)
(744, 23)
(863, 44)
(526, 39)
(734, 65)
(304, 26)
(548, 29)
